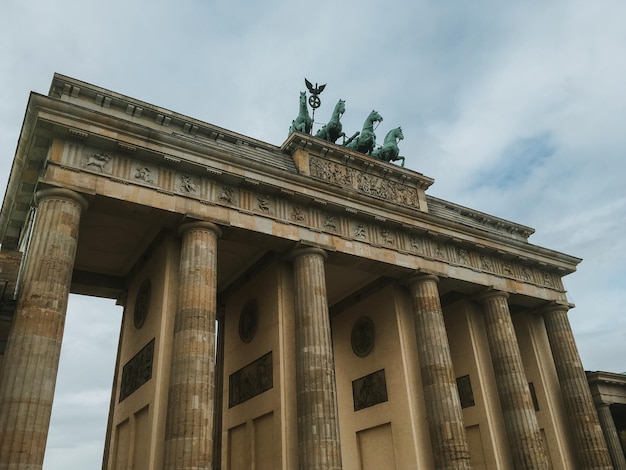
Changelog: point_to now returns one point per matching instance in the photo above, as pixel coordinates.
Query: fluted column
(583, 419)
(32, 354)
(189, 427)
(443, 406)
(520, 420)
(318, 424)
(612, 438)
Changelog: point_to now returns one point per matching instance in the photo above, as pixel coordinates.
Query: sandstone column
(583, 419)
(520, 420)
(32, 355)
(318, 424)
(612, 438)
(443, 406)
(189, 427)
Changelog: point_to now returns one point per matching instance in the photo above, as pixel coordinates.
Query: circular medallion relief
(363, 336)
(142, 303)
(248, 320)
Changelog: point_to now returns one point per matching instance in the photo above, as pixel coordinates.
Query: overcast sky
(516, 108)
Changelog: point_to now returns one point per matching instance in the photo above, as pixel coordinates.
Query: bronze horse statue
(365, 140)
(332, 131)
(389, 151)
(303, 122)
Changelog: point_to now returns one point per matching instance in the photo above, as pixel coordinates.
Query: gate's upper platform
(109, 146)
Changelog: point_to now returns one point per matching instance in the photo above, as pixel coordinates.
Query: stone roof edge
(63, 84)
(483, 217)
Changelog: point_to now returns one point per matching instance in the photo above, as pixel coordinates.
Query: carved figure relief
(369, 390)
(297, 214)
(186, 184)
(329, 222)
(137, 371)
(263, 203)
(485, 263)
(439, 250)
(363, 336)
(360, 232)
(463, 256)
(387, 238)
(507, 268)
(526, 275)
(364, 182)
(414, 242)
(251, 380)
(97, 161)
(547, 280)
(226, 194)
(144, 174)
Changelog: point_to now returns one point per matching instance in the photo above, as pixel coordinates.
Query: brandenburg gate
(297, 306)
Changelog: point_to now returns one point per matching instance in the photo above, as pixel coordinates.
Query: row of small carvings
(77, 155)
(208, 190)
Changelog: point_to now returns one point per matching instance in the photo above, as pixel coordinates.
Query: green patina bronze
(365, 140)
(389, 151)
(332, 131)
(303, 122)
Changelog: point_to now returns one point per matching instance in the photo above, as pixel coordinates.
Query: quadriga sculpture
(389, 151)
(333, 130)
(365, 140)
(303, 122)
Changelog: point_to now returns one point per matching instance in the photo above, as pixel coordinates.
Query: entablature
(323, 192)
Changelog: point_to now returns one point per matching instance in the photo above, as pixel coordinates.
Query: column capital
(491, 293)
(421, 277)
(61, 193)
(308, 250)
(555, 307)
(185, 227)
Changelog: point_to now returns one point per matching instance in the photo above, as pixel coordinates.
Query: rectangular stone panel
(141, 451)
(122, 444)
(251, 380)
(466, 394)
(238, 448)
(475, 442)
(376, 448)
(137, 371)
(369, 390)
(264, 451)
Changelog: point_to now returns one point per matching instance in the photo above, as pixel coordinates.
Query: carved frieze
(369, 390)
(349, 222)
(366, 183)
(251, 380)
(137, 371)
(466, 394)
